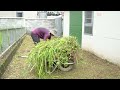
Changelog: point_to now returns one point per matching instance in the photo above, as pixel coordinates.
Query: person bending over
(42, 33)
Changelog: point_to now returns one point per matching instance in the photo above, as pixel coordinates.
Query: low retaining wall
(6, 56)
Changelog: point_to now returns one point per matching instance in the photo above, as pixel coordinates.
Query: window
(19, 14)
(88, 23)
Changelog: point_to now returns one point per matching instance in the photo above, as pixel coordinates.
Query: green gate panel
(76, 25)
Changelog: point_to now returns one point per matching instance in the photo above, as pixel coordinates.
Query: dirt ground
(89, 66)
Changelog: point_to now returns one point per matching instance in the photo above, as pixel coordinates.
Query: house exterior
(97, 32)
(7, 13)
(29, 14)
(72, 24)
(25, 14)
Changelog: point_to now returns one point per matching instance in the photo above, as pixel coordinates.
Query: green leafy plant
(43, 56)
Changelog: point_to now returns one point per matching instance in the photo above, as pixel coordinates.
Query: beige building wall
(7, 13)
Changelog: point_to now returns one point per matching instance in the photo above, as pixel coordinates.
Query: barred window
(88, 23)
(19, 14)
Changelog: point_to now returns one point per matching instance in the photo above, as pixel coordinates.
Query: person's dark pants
(35, 38)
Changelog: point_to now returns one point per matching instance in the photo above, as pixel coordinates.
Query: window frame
(19, 12)
(88, 24)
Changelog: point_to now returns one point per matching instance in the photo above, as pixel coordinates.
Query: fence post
(8, 37)
(0, 41)
(24, 20)
(15, 33)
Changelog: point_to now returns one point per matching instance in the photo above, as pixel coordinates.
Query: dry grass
(89, 66)
(18, 67)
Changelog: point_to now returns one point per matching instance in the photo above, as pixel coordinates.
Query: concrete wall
(51, 23)
(59, 25)
(34, 23)
(105, 41)
(11, 22)
(30, 14)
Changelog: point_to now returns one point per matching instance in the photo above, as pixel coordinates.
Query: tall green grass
(60, 49)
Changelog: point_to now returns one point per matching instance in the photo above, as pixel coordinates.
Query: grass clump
(47, 55)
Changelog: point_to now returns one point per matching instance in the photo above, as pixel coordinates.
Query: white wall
(105, 41)
(30, 14)
(26, 14)
(66, 23)
(7, 13)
